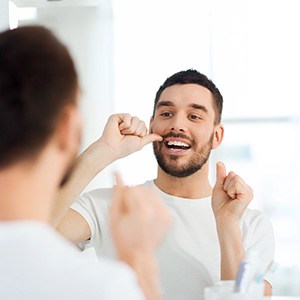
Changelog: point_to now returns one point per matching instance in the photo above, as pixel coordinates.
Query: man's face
(184, 117)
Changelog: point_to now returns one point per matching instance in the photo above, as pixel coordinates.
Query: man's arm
(231, 196)
(122, 135)
(138, 222)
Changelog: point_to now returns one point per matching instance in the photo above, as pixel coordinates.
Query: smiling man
(185, 118)
(213, 228)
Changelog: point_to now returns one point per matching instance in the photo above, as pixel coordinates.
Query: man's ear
(218, 136)
(68, 129)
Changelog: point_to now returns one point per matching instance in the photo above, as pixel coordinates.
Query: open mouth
(177, 145)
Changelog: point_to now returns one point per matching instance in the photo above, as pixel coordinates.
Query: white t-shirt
(37, 264)
(189, 257)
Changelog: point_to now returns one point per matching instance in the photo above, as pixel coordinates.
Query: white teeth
(176, 143)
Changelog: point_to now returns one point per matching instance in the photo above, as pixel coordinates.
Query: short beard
(195, 164)
(67, 174)
(72, 164)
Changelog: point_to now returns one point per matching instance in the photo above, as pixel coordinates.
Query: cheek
(204, 135)
(154, 128)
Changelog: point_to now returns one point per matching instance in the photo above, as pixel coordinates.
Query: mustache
(176, 135)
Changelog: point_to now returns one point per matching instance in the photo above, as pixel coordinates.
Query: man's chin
(179, 170)
(182, 173)
(180, 166)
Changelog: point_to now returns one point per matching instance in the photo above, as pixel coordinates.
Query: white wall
(88, 33)
(4, 15)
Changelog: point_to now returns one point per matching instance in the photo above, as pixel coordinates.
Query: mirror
(125, 49)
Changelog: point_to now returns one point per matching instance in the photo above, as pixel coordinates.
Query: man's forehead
(186, 94)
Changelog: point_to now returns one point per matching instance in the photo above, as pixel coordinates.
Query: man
(213, 228)
(40, 128)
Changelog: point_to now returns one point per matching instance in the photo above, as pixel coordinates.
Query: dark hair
(193, 76)
(37, 80)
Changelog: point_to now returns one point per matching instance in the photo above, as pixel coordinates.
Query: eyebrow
(164, 103)
(192, 105)
(200, 107)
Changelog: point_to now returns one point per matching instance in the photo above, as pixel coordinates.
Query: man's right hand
(124, 134)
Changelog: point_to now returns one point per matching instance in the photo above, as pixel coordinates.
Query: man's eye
(166, 114)
(194, 117)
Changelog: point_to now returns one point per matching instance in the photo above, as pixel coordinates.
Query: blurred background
(125, 49)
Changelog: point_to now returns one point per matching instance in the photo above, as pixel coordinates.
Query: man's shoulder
(95, 279)
(104, 193)
(253, 213)
(253, 217)
(108, 274)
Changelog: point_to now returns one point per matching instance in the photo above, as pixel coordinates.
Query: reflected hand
(230, 197)
(124, 134)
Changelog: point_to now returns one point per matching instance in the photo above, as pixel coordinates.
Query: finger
(150, 138)
(141, 130)
(137, 128)
(220, 174)
(132, 128)
(124, 121)
(230, 179)
(232, 192)
(144, 132)
(239, 189)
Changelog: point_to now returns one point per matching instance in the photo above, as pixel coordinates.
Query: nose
(178, 124)
(177, 129)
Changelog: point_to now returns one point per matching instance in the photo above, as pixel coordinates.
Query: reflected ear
(218, 136)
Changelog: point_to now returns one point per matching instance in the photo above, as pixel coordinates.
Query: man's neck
(27, 191)
(194, 186)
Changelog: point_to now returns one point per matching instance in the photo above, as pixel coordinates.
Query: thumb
(220, 174)
(150, 138)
